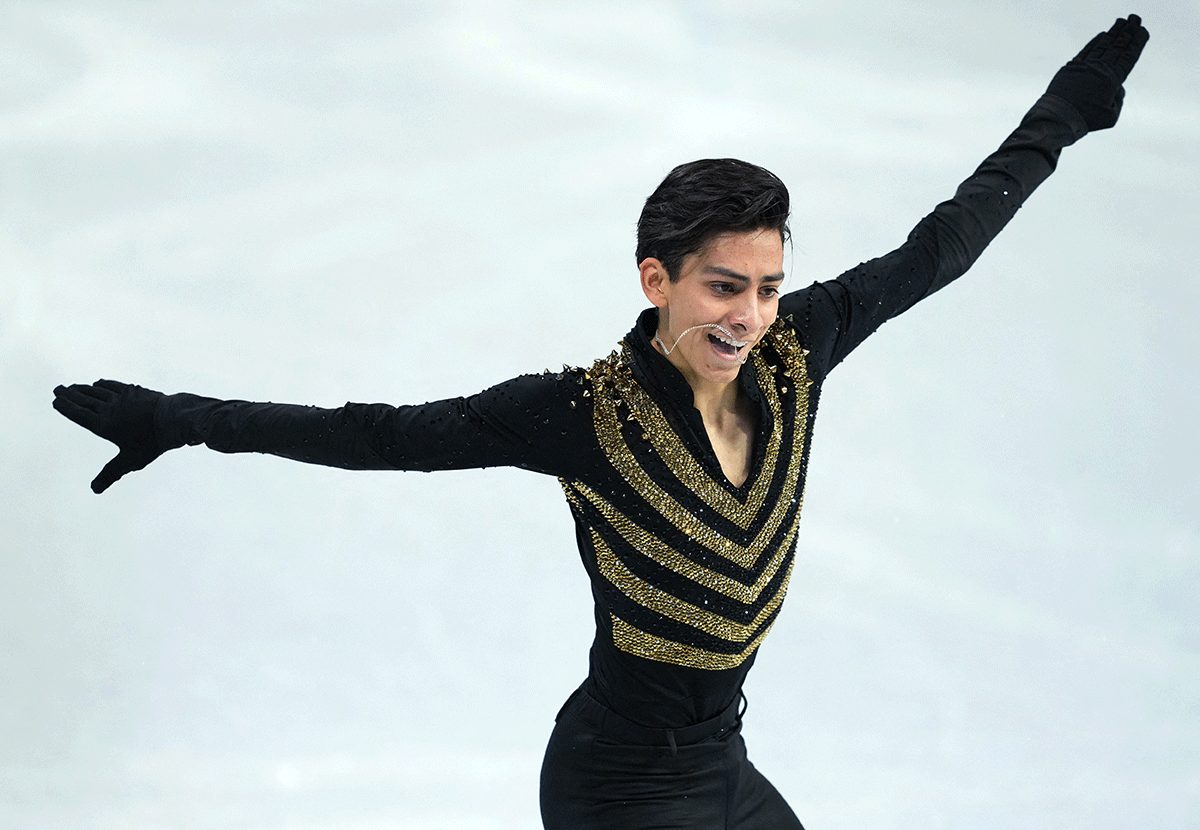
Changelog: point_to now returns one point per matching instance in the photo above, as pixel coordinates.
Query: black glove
(1091, 81)
(120, 413)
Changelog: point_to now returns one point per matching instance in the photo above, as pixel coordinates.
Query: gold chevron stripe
(671, 449)
(661, 602)
(634, 641)
(653, 547)
(613, 385)
(683, 464)
(663, 503)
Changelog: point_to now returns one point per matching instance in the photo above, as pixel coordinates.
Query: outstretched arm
(536, 422)
(833, 317)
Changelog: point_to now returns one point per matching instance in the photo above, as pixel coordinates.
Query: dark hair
(705, 198)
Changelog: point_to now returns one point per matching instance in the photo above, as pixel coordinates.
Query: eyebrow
(734, 275)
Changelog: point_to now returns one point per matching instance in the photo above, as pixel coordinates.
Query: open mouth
(727, 346)
(724, 343)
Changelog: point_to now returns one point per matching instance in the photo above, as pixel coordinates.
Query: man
(682, 455)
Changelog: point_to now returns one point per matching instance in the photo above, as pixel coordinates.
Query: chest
(690, 563)
(733, 444)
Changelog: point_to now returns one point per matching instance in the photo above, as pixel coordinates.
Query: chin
(724, 375)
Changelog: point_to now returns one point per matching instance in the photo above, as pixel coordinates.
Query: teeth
(737, 344)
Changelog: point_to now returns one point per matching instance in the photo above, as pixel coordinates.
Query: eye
(722, 287)
(770, 291)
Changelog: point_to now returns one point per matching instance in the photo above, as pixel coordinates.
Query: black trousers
(602, 772)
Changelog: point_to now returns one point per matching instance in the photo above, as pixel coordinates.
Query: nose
(746, 316)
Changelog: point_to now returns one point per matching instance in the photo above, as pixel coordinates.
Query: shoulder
(783, 341)
(782, 351)
(543, 398)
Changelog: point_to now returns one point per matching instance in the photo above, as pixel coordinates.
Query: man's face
(733, 283)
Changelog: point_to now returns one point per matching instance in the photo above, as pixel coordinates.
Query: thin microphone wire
(716, 326)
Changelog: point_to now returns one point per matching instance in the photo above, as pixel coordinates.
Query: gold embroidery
(672, 607)
(687, 469)
(634, 641)
(656, 549)
(612, 386)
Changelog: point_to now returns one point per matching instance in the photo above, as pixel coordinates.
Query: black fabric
(544, 423)
(613, 725)
(666, 691)
(646, 742)
(832, 318)
(530, 421)
(547, 423)
(1092, 81)
(118, 412)
(594, 778)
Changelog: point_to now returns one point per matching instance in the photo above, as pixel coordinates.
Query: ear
(655, 280)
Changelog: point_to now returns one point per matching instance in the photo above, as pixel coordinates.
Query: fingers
(1115, 52)
(79, 406)
(86, 395)
(74, 411)
(111, 473)
(88, 405)
(1126, 25)
(114, 386)
(1092, 46)
(126, 461)
(1123, 45)
(1124, 36)
(1128, 33)
(1132, 40)
(116, 412)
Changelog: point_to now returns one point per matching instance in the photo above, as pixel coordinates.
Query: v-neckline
(758, 440)
(752, 460)
(662, 373)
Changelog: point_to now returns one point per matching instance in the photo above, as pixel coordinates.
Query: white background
(995, 617)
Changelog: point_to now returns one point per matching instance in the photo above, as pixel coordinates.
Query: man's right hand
(117, 412)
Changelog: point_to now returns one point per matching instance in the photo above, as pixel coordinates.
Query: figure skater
(682, 454)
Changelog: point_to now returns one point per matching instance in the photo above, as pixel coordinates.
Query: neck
(715, 401)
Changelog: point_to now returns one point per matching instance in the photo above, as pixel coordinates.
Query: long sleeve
(832, 318)
(535, 422)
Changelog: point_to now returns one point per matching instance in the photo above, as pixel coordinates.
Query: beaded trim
(693, 569)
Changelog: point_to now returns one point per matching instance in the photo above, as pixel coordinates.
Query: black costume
(688, 572)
